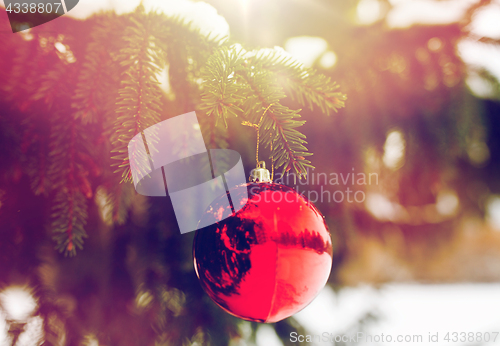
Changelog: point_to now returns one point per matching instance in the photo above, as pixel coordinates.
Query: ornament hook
(260, 174)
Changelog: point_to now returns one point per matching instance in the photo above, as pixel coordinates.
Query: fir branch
(186, 51)
(69, 210)
(228, 73)
(215, 135)
(52, 85)
(25, 78)
(304, 84)
(310, 88)
(279, 124)
(121, 198)
(176, 32)
(35, 150)
(138, 101)
(238, 82)
(57, 165)
(40, 184)
(97, 76)
(222, 93)
(279, 127)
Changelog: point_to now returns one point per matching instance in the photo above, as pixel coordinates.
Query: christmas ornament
(270, 259)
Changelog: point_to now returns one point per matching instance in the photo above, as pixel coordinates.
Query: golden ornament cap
(260, 174)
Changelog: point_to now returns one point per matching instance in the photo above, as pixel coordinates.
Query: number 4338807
(471, 337)
(33, 7)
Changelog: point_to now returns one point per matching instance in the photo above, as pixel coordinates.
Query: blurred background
(418, 254)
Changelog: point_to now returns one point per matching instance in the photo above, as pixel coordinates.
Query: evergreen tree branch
(97, 77)
(35, 150)
(186, 51)
(222, 92)
(67, 162)
(25, 78)
(69, 210)
(304, 84)
(278, 125)
(231, 71)
(138, 101)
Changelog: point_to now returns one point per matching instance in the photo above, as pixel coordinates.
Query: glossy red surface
(267, 261)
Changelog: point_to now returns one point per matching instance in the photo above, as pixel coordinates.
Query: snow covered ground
(408, 311)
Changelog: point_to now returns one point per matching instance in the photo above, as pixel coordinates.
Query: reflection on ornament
(267, 261)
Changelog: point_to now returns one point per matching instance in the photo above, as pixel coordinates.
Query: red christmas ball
(268, 260)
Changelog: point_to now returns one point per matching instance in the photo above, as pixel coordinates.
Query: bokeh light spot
(394, 150)
(447, 202)
(478, 153)
(306, 48)
(434, 44)
(18, 302)
(493, 211)
(328, 59)
(368, 11)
